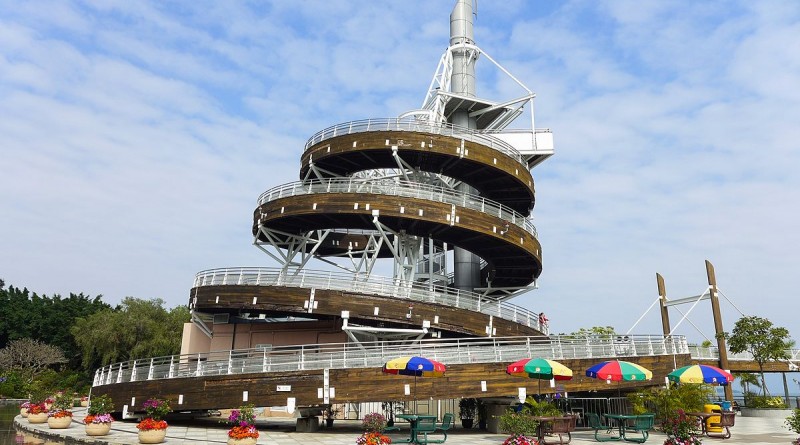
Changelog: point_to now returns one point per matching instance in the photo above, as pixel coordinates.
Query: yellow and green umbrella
(540, 369)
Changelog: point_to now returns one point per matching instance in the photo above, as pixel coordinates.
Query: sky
(135, 138)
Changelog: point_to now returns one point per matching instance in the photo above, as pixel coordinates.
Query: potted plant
(483, 414)
(23, 408)
(243, 431)
(467, 410)
(153, 428)
(793, 423)
(373, 425)
(520, 426)
(60, 415)
(330, 415)
(84, 401)
(680, 429)
(98, 421)
(37, 411)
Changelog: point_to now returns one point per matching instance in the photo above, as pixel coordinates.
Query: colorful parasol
(416, 367)
(540, 369)
(701, 374)
(619, 371)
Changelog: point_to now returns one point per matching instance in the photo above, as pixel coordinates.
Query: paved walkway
(749, 430)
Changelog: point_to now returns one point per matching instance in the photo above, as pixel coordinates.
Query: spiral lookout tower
(421, 229)
(439, 197)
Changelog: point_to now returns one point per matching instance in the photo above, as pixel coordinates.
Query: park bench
(429, 432)
(641, 424)
(727, 420)
(560, 426)
(597, 425)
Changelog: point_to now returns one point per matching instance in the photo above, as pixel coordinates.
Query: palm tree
(746, 379)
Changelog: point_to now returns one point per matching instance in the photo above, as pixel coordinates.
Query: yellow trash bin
(713, 420)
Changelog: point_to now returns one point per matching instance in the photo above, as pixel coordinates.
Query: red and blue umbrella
(701, 374)
(414, 366)
(619, 371)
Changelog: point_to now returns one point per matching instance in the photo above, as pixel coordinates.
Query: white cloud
(136, 138)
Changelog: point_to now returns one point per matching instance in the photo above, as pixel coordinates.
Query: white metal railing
(400, 188)
(712, 353)
(501, 350)
(411, 124)
(387, 287)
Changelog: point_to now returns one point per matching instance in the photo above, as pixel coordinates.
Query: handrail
(374, 354)
(712, 353)
(384, 286)
(400, 188)
(411, 124)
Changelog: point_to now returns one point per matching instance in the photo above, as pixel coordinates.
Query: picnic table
(414, 421)
(632, 423)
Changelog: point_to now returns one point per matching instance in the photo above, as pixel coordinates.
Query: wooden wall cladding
(281, 300)
(513, 253)
(495, 174)
(364, 384)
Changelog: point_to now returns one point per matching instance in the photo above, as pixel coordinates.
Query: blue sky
(136, 137)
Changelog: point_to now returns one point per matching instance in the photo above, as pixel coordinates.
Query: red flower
(243, 431)
(150, 424)
(37, 408)
(61, 413)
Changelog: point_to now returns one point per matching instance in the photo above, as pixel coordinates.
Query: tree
(762, 340)
(746, 379)
(43, 318)
(29, 357)
(595, 332)
(135, 329)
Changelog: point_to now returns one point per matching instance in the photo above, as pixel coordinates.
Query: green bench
(429, 432)
(597, 425)
(641, 424)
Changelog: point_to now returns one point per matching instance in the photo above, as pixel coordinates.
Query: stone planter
(778, 413)
(244, 441)
(152, 436)
(97, 429)
(84, 403)
(23, 412)
(37, 418)
(57, 423)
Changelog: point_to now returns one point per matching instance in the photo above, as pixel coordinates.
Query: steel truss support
(406, 250)
(288, 246)
(359, 334)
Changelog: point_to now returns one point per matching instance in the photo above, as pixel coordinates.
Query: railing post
(264, 361)
(150, 371)
(172, 367)
(119, 373)
(133, 372)
(230, 362)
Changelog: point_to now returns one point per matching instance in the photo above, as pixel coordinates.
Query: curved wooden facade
(513, 253)
(496, 175)
(366, 384)
(363, 308)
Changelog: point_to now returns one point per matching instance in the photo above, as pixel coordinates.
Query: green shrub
(541, 409)
(665, 402)
(756, 401)
(793, 421)
(100, 405)
(518, 423)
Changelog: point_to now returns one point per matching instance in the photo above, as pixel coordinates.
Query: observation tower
(403, 236)
(438, 198)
